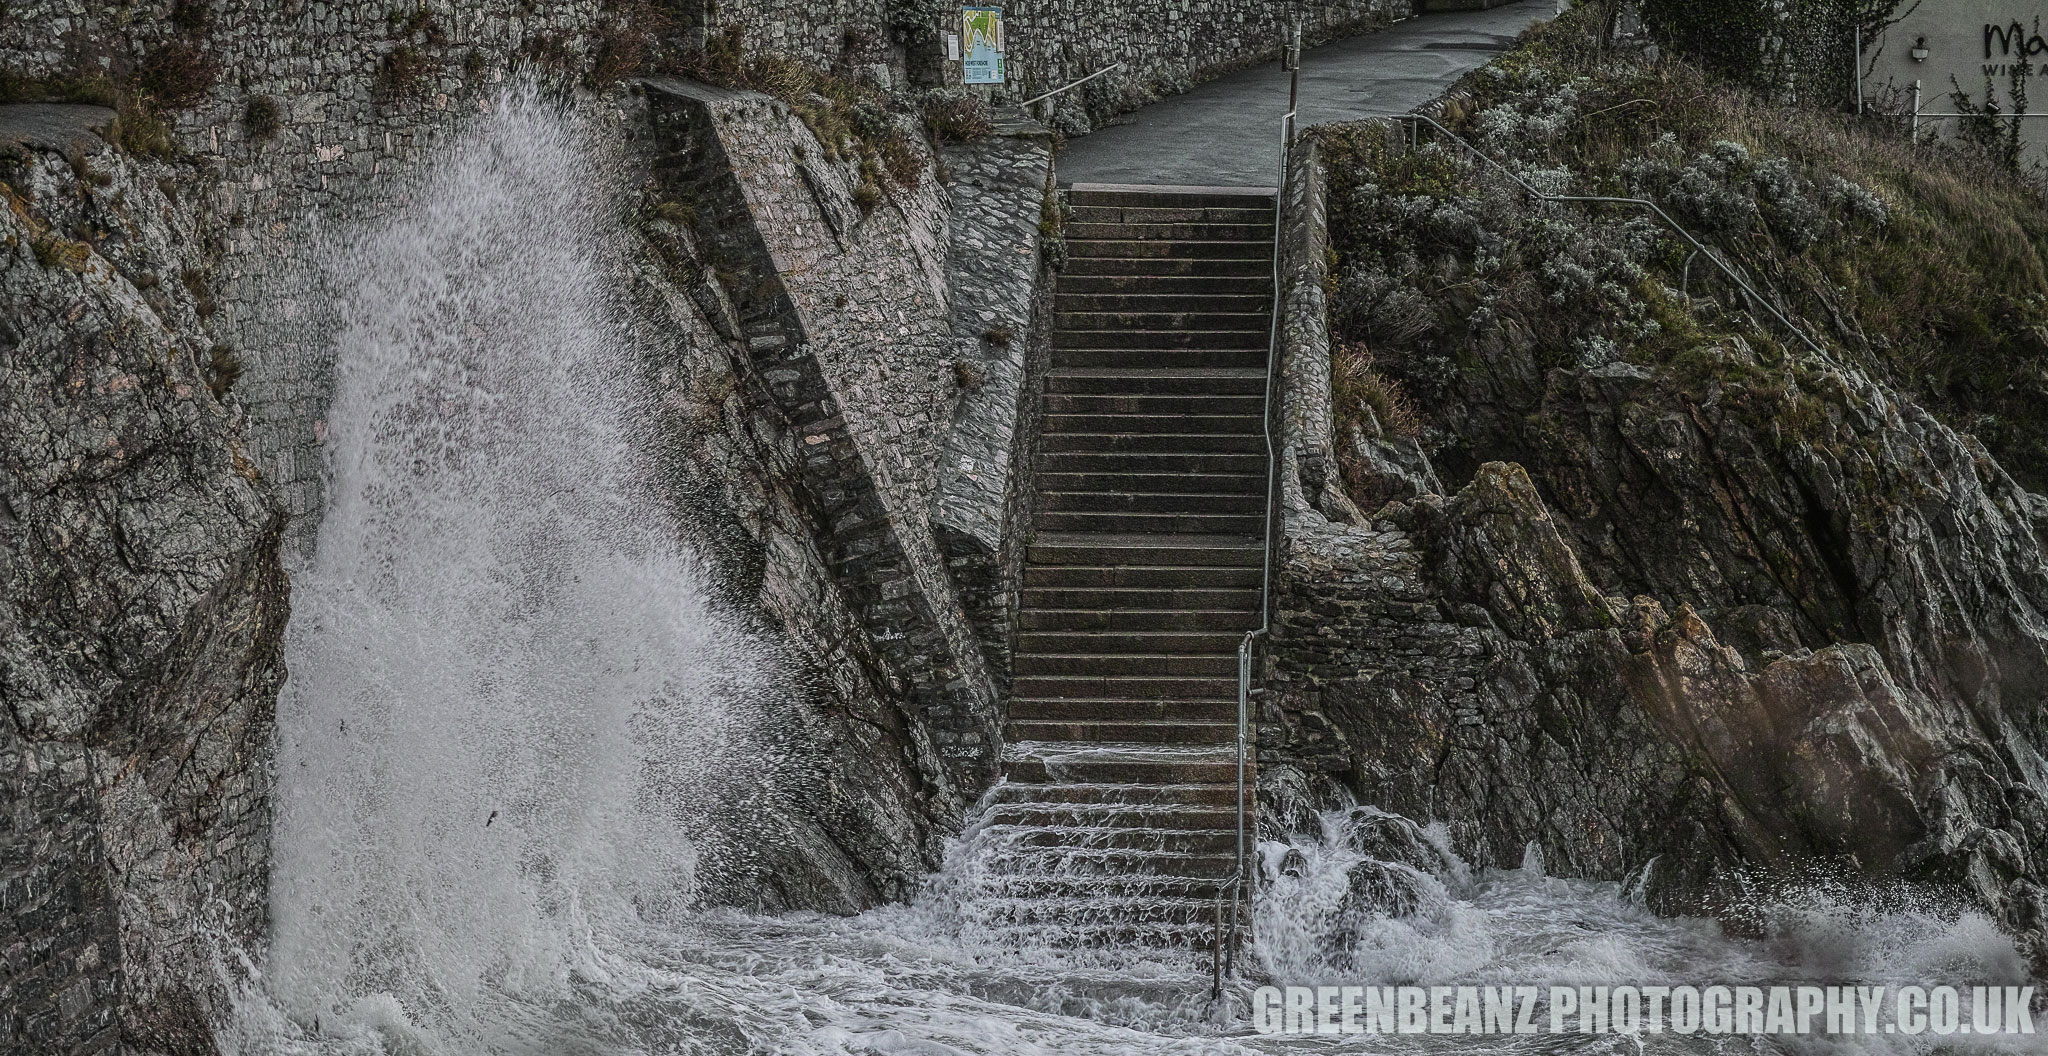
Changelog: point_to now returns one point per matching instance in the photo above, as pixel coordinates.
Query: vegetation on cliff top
(1919, 263)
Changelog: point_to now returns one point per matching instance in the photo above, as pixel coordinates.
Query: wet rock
(1380, 889)
(1393, 839)
(142, 604)
(1741, 620)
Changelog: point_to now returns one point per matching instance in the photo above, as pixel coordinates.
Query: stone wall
(1165, 46)
(348, 122)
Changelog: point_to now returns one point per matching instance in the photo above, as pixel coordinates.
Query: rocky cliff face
(1694, 605)
(143, 606)
(166, 379)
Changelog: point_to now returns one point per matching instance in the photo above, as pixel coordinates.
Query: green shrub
(262, 117)
(178, 74)
(403, 74)
(957, 117)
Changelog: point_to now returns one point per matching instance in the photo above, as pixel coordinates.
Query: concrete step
(1234, 621)
(1078, 910)
(1139, 577)
(1166, 304)
(1128, 502)
(1154, 463)
(1177, 796)
(1119, 861)
(1169, 249)
(1130, 642)
(1107, 602)
(1101, 277)
(1130, 196)
(1034, 710)
(1162, 359)
(1164, 443)
(1139, 764)
(1199, 231)
(1255, 339)
(1158, 483)
(1259, 271)
(1121, 687)
(1155, 423)
(1132, 383)
(1186, 941)
(1108, 549)
(1179, 214)
(1070, 320)
(1192, 523)
(1127, 665)
(1151, 885)
(1064, 838)
(1111, 729)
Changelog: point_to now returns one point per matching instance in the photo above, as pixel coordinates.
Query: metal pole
(1859, 71)
(1916, 111)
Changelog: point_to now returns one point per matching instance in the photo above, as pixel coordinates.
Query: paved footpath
(1227, 131)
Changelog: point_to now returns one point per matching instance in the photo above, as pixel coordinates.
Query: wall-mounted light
(1919, 52)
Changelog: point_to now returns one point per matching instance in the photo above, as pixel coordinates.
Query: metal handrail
(1076, 84)
(1236, 886)
(1697, 245)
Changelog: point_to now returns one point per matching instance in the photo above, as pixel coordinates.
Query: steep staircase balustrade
(1129, 766)
(1415, 121)
(1236, 892)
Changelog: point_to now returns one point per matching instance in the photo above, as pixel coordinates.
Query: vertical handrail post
(1859, 71)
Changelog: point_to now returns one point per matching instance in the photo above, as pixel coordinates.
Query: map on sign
(982, 45)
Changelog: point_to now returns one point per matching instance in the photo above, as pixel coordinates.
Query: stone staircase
(1145, 573)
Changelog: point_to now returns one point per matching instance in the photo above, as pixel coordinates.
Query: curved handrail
(1697, 245)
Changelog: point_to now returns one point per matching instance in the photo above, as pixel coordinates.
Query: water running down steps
(1145, 572)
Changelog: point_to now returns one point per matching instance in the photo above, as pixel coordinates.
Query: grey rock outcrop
(141, 608)
(1749, 624)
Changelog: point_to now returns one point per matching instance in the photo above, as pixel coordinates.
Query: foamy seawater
(515, 717)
